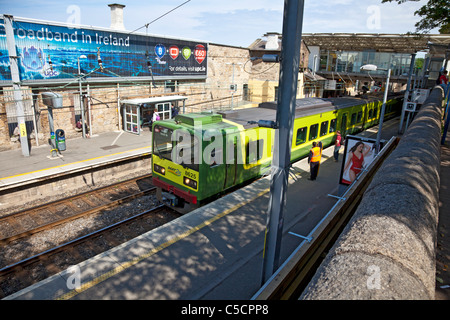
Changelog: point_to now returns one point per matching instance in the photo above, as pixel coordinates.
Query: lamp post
(372, 67)
(81, 100)
(233, 85)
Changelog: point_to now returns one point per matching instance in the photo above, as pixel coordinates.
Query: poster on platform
(50, 51)
(359, 153)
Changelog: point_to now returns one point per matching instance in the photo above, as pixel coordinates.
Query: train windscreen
(187, 147)
(162, 142)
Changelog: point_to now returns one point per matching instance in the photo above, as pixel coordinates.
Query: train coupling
(170, 199)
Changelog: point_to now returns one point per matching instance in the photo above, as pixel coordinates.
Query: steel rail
(58, 222)
(20, 264)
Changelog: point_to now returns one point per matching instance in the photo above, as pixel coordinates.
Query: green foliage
(419, 63)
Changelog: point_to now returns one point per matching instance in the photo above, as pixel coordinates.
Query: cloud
(232, 22)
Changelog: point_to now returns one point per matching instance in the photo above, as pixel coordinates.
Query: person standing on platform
(314, 161)
(320, 145)
(174, 111)
(443, 79)
(156, 116)
(337, 146)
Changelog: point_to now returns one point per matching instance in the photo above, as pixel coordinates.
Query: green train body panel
(242, 152)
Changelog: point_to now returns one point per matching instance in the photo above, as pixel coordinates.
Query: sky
(231, 22)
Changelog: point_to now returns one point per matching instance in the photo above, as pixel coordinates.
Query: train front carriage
(188, 158)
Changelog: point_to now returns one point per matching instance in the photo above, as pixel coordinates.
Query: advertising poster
(359, 153)
(48, 52)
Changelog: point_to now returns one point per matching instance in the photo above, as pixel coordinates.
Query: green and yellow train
(198, 156)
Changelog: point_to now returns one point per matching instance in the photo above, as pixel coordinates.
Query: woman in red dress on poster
(356, 158)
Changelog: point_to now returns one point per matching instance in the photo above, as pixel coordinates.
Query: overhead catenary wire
(147, 24)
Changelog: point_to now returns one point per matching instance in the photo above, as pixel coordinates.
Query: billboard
(359, 153)
(49, 51)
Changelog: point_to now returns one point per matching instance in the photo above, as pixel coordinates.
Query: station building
(338, 57)
(112, 79)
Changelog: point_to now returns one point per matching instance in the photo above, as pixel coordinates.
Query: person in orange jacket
(314, 160)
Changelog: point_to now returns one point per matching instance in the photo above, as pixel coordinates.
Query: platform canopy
(154, 100)
(398, 43)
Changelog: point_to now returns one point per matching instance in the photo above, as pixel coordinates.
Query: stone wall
(387, 250)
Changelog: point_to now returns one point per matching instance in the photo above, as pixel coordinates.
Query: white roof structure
(398, 43)
(153, 100)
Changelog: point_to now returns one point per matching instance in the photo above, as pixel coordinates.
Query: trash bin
(60, 140)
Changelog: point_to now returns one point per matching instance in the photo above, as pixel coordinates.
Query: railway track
(27, 222)
(41, 241)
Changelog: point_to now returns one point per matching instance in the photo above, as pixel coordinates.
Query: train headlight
(159, 169)
(190, 183)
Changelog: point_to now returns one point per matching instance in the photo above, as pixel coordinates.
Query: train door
(344, 124)
(230, 163)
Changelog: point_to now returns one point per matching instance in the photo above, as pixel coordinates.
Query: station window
(333, 125)
(353, 119)
(301, 136)
(254, 150)
(313, 131)
(359, 118)
(164, 110)
(323, 128)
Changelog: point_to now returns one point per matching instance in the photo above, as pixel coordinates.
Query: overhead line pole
(289, 69)
(15, 77)
(407, 93)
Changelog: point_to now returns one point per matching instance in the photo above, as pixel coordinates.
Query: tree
(435, 14)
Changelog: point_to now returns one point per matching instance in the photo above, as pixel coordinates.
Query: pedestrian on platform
(320, 145)
(314, 161)
(443, 81)
(337, 146)
(174, 111)
(156, 116)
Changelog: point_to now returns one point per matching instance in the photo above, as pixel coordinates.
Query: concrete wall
(387, 251)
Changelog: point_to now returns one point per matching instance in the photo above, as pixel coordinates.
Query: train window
(375, 112)
(370, 114)
(254, 150)
(313, 131)
(333, 125)
(323, 128)
(301, 136)
(344, 124)
(359, 118)
(353, 119)
(162, 142)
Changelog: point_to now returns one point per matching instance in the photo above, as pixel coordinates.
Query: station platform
(80, 153)
(212, 253)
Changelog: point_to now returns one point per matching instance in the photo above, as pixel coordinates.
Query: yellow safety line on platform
(63, 165)
(134, 261)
